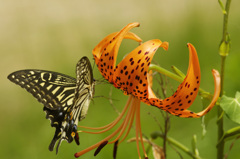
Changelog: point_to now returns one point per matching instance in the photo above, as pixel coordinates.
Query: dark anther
(115, 149)
(104, 143)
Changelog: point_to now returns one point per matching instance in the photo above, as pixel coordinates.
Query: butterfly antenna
(93, 65)
(101, 81)
(109, 98)
(111, 101)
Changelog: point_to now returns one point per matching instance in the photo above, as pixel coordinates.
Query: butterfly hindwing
(84, 90)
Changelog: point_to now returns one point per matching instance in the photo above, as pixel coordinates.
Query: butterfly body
(65, 99)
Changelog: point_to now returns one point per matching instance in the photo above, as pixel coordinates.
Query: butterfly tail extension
(53, 143)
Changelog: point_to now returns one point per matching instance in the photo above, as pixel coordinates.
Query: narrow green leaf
(178, 72)
(222, 7)
(231, 107)
(230, 134)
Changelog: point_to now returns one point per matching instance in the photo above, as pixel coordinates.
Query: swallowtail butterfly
(65, 98)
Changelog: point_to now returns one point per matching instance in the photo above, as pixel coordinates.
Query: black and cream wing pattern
(65, 99)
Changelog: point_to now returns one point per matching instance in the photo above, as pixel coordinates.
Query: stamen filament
(130, 125)
(97, 144)
(138, 127)
(134, 105)
(125, 122)
(106, 139)
(111, 125)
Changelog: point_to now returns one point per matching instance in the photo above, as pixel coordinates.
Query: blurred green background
(54, 35)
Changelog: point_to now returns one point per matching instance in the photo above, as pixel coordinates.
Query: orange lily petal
(150, 83)
(105, 53)
(187, 91)
(187, 113)
(217, 83)
(130, 74)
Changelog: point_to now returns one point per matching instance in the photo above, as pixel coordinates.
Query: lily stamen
(108, 126)
(126, 125)
(104, 143)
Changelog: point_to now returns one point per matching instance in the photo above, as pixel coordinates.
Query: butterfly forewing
(50, 88)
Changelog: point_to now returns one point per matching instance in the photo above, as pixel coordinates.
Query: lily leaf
(231, 106)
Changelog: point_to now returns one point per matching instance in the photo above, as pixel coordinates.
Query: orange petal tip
(133, 25)
(215, 72)
(165, 45)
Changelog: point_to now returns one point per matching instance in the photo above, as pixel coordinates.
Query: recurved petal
(187, 90)
(188, 113)
(98, 50)
(105, 53)
(131, 73)
(217, 84)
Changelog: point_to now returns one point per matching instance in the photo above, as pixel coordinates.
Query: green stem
(176, 144)
(224, 51)
(221, 143)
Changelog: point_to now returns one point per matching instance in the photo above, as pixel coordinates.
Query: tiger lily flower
(131, 76)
